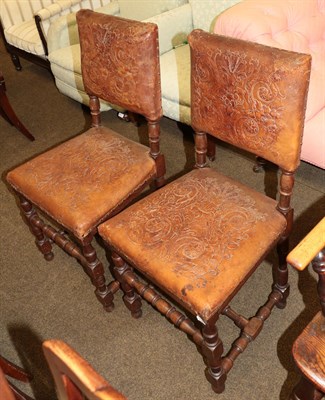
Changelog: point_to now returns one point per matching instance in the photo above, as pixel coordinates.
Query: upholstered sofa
(24, 25)
(297, 25)
(64, 49)
(174, 28)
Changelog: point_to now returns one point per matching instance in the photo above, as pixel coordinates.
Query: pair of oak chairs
(199, 238)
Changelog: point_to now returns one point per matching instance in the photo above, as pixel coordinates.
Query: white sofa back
(14, 12)
(143, 9)
(204, 12)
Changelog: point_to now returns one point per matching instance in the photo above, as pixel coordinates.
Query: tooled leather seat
(87, 179)
(165, 238)
(80, 182)
(199, 238)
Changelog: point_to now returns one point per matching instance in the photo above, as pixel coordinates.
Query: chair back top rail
(250, 95)
(120, 62)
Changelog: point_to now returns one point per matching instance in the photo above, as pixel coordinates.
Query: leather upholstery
(80, 182)
(242, 98)
(105, 71)
(189, 235)
(296, 25)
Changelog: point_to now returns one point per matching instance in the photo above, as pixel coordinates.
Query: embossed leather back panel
(250, 95)
(120, 62)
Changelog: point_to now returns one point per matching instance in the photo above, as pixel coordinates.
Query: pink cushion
(297, 25)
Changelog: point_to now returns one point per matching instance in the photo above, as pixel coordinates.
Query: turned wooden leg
(15, 59)
(281, 273)
(42, 242)
(95, 271)
(305, 390)
(131, 299)
(212, 349)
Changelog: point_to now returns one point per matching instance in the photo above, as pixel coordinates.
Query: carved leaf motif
(194, 221)
(244, 102)
(77, 163)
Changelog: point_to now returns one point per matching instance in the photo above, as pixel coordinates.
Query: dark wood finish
(8, 391)
(199, 238)
(15, 53)
(8, 113)
(103, 171)
(38, 22)
(309, 348)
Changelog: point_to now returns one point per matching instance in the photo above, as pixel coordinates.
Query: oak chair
(8, 391)
(91, 177)
(74, 378)
(309, 348)
(199, 238)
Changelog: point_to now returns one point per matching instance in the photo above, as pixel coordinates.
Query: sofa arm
(63, 32)
(173, 26)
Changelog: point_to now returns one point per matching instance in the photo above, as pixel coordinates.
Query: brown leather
(199, 238)
(250, 95)
(80, 182)
(130, 80)
(309, 351)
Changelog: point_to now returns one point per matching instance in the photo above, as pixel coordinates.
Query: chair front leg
(131, 299)
(95, 271)
(32, 218)
(212, 349)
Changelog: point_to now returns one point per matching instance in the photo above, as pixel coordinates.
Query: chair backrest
(74, 378)
(120, 62)
(250, 95)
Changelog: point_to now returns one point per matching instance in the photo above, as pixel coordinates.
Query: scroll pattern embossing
(120, 62)
(245, 101)
(89, 167)
(171, 226)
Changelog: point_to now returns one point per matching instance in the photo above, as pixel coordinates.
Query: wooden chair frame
(81, 248)
(205, 119)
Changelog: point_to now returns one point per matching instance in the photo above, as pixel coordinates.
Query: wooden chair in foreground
(74, 378)
(309, 348)
(8, 391)
(202, 236)
(89, 178)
